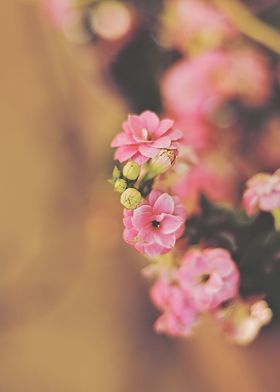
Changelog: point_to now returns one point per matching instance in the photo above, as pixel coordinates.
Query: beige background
(74, 310)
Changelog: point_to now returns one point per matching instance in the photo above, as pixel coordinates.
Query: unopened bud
(120, 185)
(116, 173)
(131, 198)
(131, 171)
(162, 162)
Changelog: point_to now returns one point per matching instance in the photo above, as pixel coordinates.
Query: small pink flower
(262, 194)
(154, 227)
(178, 317)
(209, 277)
(144, 136)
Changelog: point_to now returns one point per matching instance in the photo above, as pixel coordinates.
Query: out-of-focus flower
(249, 76)
(154, 227)
(262, 193)
(209, 276)
(131, 170)
(190, 87)
(111, 20)
(144, 136)
(179, 317)
(214, 176)
(241, 320)
(268, 143)
(195, 24)
(131, 198)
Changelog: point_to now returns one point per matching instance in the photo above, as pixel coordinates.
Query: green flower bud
(131, 198)
(131, 171)
(120, 185)
(116, 173)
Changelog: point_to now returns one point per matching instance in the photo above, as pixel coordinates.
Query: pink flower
(263, 193)
(178, 317)
(197, 21)
(209, 277)
(154, 227)
(144, 136)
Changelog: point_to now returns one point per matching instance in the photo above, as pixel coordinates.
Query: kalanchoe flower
(209, 276)
(262, 193)
(155, 225)
(144, 136)
(179, 317)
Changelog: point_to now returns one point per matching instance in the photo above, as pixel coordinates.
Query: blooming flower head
(179, 317)
(154, 226)
(262, 193)
(144, 136)
(209, 276)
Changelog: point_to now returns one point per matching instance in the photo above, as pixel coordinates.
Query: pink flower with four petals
(143, 136)
(179, 317)
(209, 277)
(154, 226)
(263, 193)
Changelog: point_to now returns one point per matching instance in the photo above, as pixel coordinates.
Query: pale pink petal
(153, 196)
(139, 158)
(163, 142)
(148, 151)
(168, 241)
(122, 139)
(126, 152)
(170, 224)
(151, 121)
(270, 202)
(154, 250)
(163, 127)
(164, 204)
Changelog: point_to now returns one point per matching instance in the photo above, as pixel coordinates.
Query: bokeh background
(74, 310)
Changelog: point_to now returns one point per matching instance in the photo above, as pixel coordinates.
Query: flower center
(204, 278)
(145, 134)
(155, 224)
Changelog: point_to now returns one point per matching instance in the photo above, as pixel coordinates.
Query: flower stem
(276, 216)
(249, 24)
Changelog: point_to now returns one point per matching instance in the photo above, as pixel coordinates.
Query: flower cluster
(199, 277)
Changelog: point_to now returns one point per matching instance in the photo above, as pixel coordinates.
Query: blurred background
(75, 314)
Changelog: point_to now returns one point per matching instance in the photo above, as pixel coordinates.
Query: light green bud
(131, 171)
(131, 198)
(120, 185)
(162, 162)
(116, 173)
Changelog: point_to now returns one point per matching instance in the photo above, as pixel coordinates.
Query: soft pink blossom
(209, 277)
(179, 317)
(154, 226)
(144, 136)
(197, 21)
(214, 176)
(262, 193)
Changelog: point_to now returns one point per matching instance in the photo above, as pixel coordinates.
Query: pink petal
(153, 196)
(163, 127)
(126, 127)
(126, 152)
(151, 121)
(270, 202)
(170, 224)
(168, 241)
(214, 284)
(163, 142)
(140, 159)
(122, 139)
(155, 250)
(148, 151)
(175, 134)
(164, 204)
(142, 217)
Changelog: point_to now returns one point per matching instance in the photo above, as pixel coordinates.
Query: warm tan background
(74, 310)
